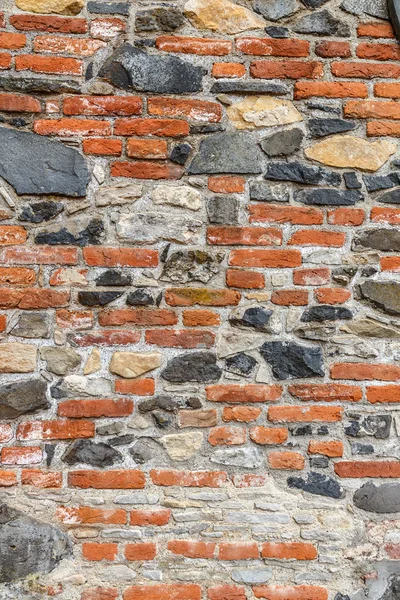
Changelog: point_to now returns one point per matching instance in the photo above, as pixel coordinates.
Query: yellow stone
(262, 111)
(347, 152)
(222, 15)
(182, 446)
(59, 7)
(17, 358)
(93, 363)
(134, 364)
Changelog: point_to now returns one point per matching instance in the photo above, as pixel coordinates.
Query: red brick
(41, 479)
(5, 60)
(273, 259)
(326, 392)
(138, 316)
(241, 414)
(17, 276)
(48, 64)
(289, 550)
(164, 591)
(331, 448)
(100, 593)
(385, 215)
(328, 49)
(245, 279)
(192, 549)
(365, 371)
(346, 216)
(107, 28)
(200, 318)
(390, 263)
(372, 109)
(159, 127)
(286, 69)
(71, 127)
(297, 215)
(365, 70)
(42, 255)
(273, 47)
(238, 550)
(6, 433)
(226, 184)
(227, 69)
(102, 147)
(234, 393)
(165, 478)
(387, 90)
(18, 455)
(287, 592)
(12, 41)
(19, 103)
(78, 409)
(286, 460)
(86, 515)
(330, 89)
(7, 478)
(382, 394)
(107, 480)
(102, 105)
(75, 319)
(145, 170)
(226, 592)
(317, 276)
(141, 551)
(380, 128)
(201, 296)
(95, 551)
(65, 45)
(55, 430)
(192, 45)
(156, 149)
(96, 256)
(158, 517)
(48, 23)
(227, 436)
(290, 297)
(378, 51)
(180, 338)
(268, 435)
(32, 298)
(138, 387)
(368, 468)
(303, 414)
(332, 295)
(197, 418)
(197, 110)
(11, 235)
(375, 30)
(316, 237)
(245, 236)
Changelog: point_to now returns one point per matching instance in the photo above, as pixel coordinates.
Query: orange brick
(158, 517)
(137, 387)
(317, 276)
(41, 479)
(382, 394)
(233, 393)
(180, 338)
(107, 28)
(165, 478)
(139, 316)
(18, 455)
(17, 276)
(32, 298)
(96, 256)
(346, 216)
(102, 147)
(12, 41)
(65, 45)
(287, 69)
(158, 127)
(226, 184)
(288, 592)
(238, 550)
(387, 90)
(367, 468)
(227, 69)
(95, 551)
(333, 449)
(122, 106)
(100, 593)
(141, 551)
(226, 592)
(268, 435)
(137, 148)
(192, 45)
(19, 103)
(78, 409)
(365, 372)
(273, 47)
(332, 295)
(201, 296)
(289, 550)
(297, 215)
(164, 591)
(241, 414)
(330, 89)
(227, 436)
(7, 478)
(71, 127)
(5, 60)
(365, 70)
(42, 255)
(48, 64)
(378, 51)
(196, 110)
(372, 109)
(326, 392)
(55, 430)
(245, 279)
(244, 236)
(145, 170)
(273, 259)
(200, 318)
(87, 515)
(327, 49)
(286, 460)
(390, 263)
(107, 480)
(192, 549)
(290, 297)
(375, 30)
(75, 319)
(380, 128)
(385, 215)
(302, 414)
(314, 237)
(48, 23)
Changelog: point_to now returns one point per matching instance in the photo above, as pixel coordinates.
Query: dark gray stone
(22, 397)
(131, 68)
(255, 317)
(31, 325)
(108, 8)
(122, 440)
(384, 295)
(97, 298)
(39, 85)
(40, 211)
(283, 143)
(289, 360)
(223, 210)
(375, 183)
(28, 546)
(392, 591)
(322, 23)
(386, 240)
(314, 3)
(392, 197)
(318, 484)
(191, 265)
(377, 426)
(241, 364)
(235, 152)
(33, 164)
(208, 128)
(328, 108)
(273, 10)
(160, 402)
(199, 367)
(358, 449)
(91, 453)
(180, 153)
(264, 192)
(113, 278)
(144, 450)
(162, 419)
(319, 462)
(343, 275)
(381, 499)
(300, 173)
(300, 430)
(249, 87)
(277, 32)
(323, 127)
(375, 8)
(326, 312)
(328, 197)
(351, 181)
(159, 19)
(92, 235)
(140, 297)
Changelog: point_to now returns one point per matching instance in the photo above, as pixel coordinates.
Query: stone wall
(199, 300)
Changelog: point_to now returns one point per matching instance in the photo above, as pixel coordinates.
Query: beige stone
(262, 111)
(134, 364)
(183, 196)
(182, 446)
(347, 152)
(222, 15)
(60, 360)
(17, 358)
(93, 363)
(118, 194)
(59, 7)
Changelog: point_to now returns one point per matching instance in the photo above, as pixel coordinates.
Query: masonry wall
(199, 300)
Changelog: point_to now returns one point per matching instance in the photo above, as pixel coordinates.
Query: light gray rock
(249, 458)
(31, 325)
(251, 576)
(153, 226)
(273, 10)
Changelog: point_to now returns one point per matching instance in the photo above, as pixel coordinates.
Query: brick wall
(199, 300)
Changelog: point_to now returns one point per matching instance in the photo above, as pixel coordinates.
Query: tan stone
(134, 364)
(182, 446)
(183, 196)
(262, 111)
(222, 15)
(60, 360)
(17, 358)
(347, 152)
(59, 7)
(93, 363)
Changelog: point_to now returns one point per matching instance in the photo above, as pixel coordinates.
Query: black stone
(322, 23)
(160, 402)
(180, 153)
(199, 367)
(381, 499)
(109, 8)
(33, 164)
(289, 360)
(386, 240)
(97, 298)
(113, 278)
(92, 235)
(209, 128)
(318, 484)
(255, 317)
(241, 363)
(39, 86)
(140, 297)
(50, 450)
(300, 430)
(158, 19)
(264, 192)
(325, 312)
(351, 181)
(375, 183)
(328, 108)
(390, 197)
(131, 68)
(283, 143)
(22, 397)
(28, 546)
(377, 426)
(223, 210)
(40, 211)
(234, 153)
(323, 127)
(369, 271)
(277, 32)
(300, 173)
(328, 197)
(362, 449)
(314, 3)
(384, 295)
(91, 453)
(319, 462)
(249, 87)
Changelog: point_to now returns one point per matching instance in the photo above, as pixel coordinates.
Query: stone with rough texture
(134, 364)
(139, 227)
(322, 23)
(17, 358)
(323, 127)
(368, 327)
(249, 87)
(227, 153)
(384, 295)
(59, 7)
(191, 265)
(222, 16)
(326, 313)
(86, 452)
(317, 483)
(384, 498)
(21, 397)
(300, 173)
(120, 193)
(223, 210)
(249, 458)
(182, 446)
(328, 197)
(60, 360)
(198, 367)
(32, 325)
(264, 192)
(386, 240)
(183, 196)
(262, 111)
(93, 363)
(292, 361)
(255, 317)
(273, 10)
(283, 143)
(375, 8)
(38, 212)
(347, 151)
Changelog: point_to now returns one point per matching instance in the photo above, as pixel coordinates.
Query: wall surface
(199, 300)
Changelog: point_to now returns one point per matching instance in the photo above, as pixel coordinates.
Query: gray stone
(31, 325)
(33, 164)
(131, 68)
(326, 313)
(289, 360)
(249, 87)
(264, 192)
(21, 397)
(392, 197)
(140, 297)
(150, 226)
(91, 453)
(328, 197)
(163, 403)
(97, 298)
(256, 317)
(319, 462)
(381, 499)
(144, 450)
(300, 173)
(241, 364)
(314, 3)
(358, 449)
(39, 85)
(375, 8)
(322, 23)
(199, 367)
(377, 426)
(159, 19)
(384, 295)
(386, 240)
(28, 546)
(283, 143)
(251, 576)
(371, 328)
(223, 210)
(318, 484)
(315, 332)
(235, 152)
(108, 8)
(191, 265)
(78, 386)
(40, 211)
(323, 127)
(273, 10)
(344, 275)
(375, 183)
(248, 458)
(89, 232)
(180, 153)
(60, 360)
(351, 181)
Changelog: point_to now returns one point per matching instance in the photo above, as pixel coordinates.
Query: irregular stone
(392, 197)
(39, 85)
(93, 363)
(209, 128)
(78, 386)
(381, 499)
(28, 546)
(328, 197)
(300, 173)
(40, 211)
(122, 440)
(222, 16)
(183, 196)
(322, 23)
(276, 31)
(273, 10)
(262, 111)
(163, 420)
(33, 164)
(134, 364)
(97, 298)
(182, 446)
(375, 183)
(144, 450)
(319, 462)
(283, 143)
(31, 325)
(249, 87)
(251, 576)
(386, 240)
(323, 127)
(377, 426)
(60, 360)
(140, 297)
(314, 3)
(351, 181)
(315, 332)
(371, 328)
(289, 360)
(91, 453)
(180, 153)
(92, 234)
(59, 7)
(223, 210)
(326, 313)
(200, 367)
(150, 226)
(318, 484)
(358, 449)
(384, 295)
(241, 364)
(118, 194)
(264, 192)
(231, 341)
(230, 153)
(21, 397)
(347, 151)
(131, 68)
(17, 358)
(256, 317)
(113, 278)
(191, 265)
(375, 8)
(159, 19)
(108, 8)
(247, 458)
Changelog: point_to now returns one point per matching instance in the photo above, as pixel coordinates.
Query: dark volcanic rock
(322, 127)
(255, 317)
(362, 449)
(326, 313)
(385, 295)
(328, 197)
(21, 397)
(113, 278)
(208, 128)
(289, 360)
(180, 153)
(28, 546)
(318, 484)
(241, 364)
(158, 19)
(191, 265)
(39, 85)
(392, 197)
(375, 183)
(386, 240)
(140, 297)
(33, 164)
(322, 23)
(223, 210)
(319, 462)
(91, 453)
(273, 10)
(40, 211)
(108, 8)
(264, 192)
(91, 235)
(97, 298)
(283, 143)
(351, 181)
(235, 152)
(375, 8)
(249, 87)
(377, 426)
(384, 498)
(300, 173)
(131, 68)
(314, 3)
(200, 367)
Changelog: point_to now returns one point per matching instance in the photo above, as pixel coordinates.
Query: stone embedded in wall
(241, 364)
(385, 295)
(17, 358)
(264, 192)
(326, 313)
(151, 226)
(191, 265)
(251, 86)
(381, 499)
(300, 173)
(182, 446)
(59, 7)
(37, 212)
(323, 127)
(134, 364)
(262, 111)
(60, 360)
(392, 197)
(283, 143)
(289, 360)
(328, 197)
(248, 458)
(318, 484)
(32, 325)
(227, 153)
(386, 240)
(377, 426)
(80, 232)
(160, 18)
(222, 16)
(375, 8)
(97, 298)
(118, 194)
(255, 317)
(95, 454)
(93, 363)
(198, 367)
(183, 196)
(230, 341)
(368, 327)
(223, 210)
(75, 386)
(346, 151)
(322, 23)
(21, 397)
(273, 10)
(113, 278)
